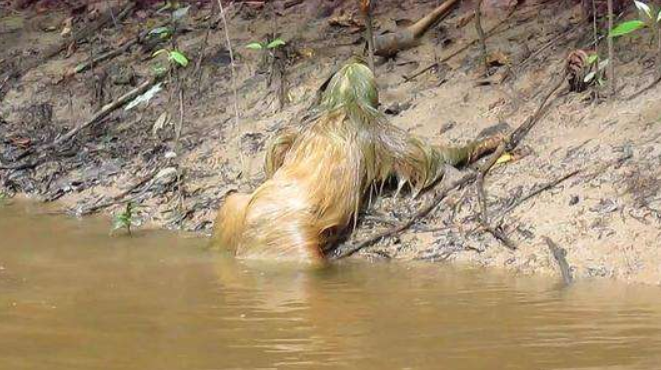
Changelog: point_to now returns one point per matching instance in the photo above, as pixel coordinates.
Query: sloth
(319, 176)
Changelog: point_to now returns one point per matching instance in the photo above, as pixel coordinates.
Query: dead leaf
(22, 142)
(504, 158)
(306, 52)
(161, 122)
(347, 20)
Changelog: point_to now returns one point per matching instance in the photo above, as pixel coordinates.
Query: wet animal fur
(319, 176)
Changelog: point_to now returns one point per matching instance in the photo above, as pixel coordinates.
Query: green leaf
(79, 68)
(592, 58)
(658, 18)
(275, 43)
(626, 28)
(255, 46)
(589, 77)
(179, 57)
(118, 224)
(643, 7)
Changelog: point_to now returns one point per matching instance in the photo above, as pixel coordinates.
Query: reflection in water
(73, 298)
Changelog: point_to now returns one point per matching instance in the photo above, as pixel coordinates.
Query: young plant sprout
(124, 220)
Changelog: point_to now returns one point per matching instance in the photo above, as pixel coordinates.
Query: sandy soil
(607, 217)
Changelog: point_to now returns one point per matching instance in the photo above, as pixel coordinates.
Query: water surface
(73, 297)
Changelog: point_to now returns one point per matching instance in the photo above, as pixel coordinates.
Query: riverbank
(606, 217)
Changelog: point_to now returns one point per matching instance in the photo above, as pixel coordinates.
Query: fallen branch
(551, 184)
(496, 232)
(19, 166)
(292, 3)
(547, 186)
(509, 142)
(550, 43)
(124, 47)
(481, 37)
(105, 111)
(387, 45)
(560, 256)
(82, 67)
(520, 132)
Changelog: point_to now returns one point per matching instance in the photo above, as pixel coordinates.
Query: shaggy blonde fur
(318, 177)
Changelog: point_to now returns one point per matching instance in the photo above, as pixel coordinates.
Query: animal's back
(312, 195)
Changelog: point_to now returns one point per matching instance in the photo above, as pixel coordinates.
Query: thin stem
(112, 13)
(197, 73)
(369, 30)
(595, 31)
(658, 51)
(232, 64)
(481, 36)
(611, 53)
(178, 150)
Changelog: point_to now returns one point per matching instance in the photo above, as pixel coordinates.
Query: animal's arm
(463, 155)
(277, 150)
(420, 164)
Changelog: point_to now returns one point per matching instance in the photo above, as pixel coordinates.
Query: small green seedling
(648, 17)
(266, 48)
(273, 44)
(174, 56)
(124, 220)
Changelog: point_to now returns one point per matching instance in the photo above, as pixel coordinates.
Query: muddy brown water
(72, 297)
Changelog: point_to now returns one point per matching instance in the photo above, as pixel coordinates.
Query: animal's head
(353, 84)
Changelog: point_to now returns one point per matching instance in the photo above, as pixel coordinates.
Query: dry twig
(105, 111)
(611, 52)
(366, 10)
(232, 63)
(538, 190)
(481, 37)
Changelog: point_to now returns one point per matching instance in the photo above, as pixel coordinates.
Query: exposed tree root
(389, 44)
(105, 111)
(560, 256)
